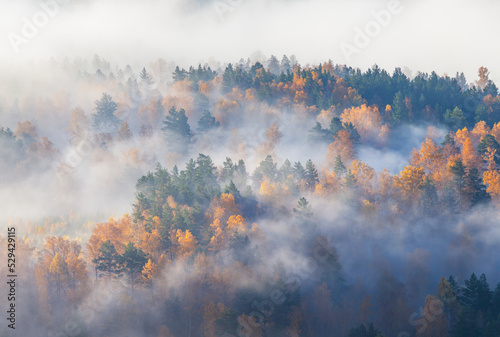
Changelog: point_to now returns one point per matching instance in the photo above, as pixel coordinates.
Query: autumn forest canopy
(255, 198)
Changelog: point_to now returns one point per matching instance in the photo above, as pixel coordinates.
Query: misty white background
(441, 35)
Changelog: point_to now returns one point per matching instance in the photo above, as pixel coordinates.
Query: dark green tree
(177, 130)
(399, 109)
(285, 171)
(339, 167)
(231, 188)
(179, 75)
(430, 200)
(335, 127)
(146, 77)
(458, 171)
(349, 127)
(299, 172)
(207, 122)
(473, 189)
(311, 177)
(476, 294)
(488, 141)
(362, 331)
(132, 261)
(303, 210)
(240, 175)
(481, 114)
(104, 119)
(108, 260)
(454, 119)
(466, 325)
(266, 169)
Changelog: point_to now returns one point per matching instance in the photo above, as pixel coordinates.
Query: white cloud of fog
(446, 36)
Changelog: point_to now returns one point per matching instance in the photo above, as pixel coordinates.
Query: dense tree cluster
(199, 254)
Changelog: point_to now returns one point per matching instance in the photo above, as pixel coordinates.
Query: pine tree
(104, 119)
(285, 64)
(454, 119)
(429, 197)
(311, 175)
(108, 260)
(228, 80)
(299, 172)
(339, 167)
(355, 137)
(240, 175)
(179, 75)
(177, 130)
(207, 122)
(303, 209)
(266, 169)
(335, 126)
(488, 142)
(399, 110)
(231, 188)
(473, 188)
(146, 77)
(273, 65)
(285, 171)
(133, 261)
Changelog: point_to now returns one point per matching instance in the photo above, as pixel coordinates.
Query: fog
(64, 176)
(444, 36)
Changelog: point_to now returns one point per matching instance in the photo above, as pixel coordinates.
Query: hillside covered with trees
(265, 198)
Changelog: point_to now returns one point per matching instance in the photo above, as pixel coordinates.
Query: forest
(256, 198)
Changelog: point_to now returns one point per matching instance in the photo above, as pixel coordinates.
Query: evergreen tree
(473, 188)
(146, 77)
(311, 175)
(335, 126)
(207, 122)
(489, 142)
(362, 331)
(266, 169)
(227, 172)
(481, 114)
(466, 325)
(231, 188)
(339, 167)
(133, 260)
(454, 119)
(299, 172)
(240, 175)
(104, 119)
(458, 172)
(349, 127)
(476, 295)
(108, 260)
(273, 65)
(429, 197)
(303, 209)
(285, 65)
(495, 301)
(399, 109)
(285, 171)
(228, 79)
(318, 134)
(179, 75)
(177, 130)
